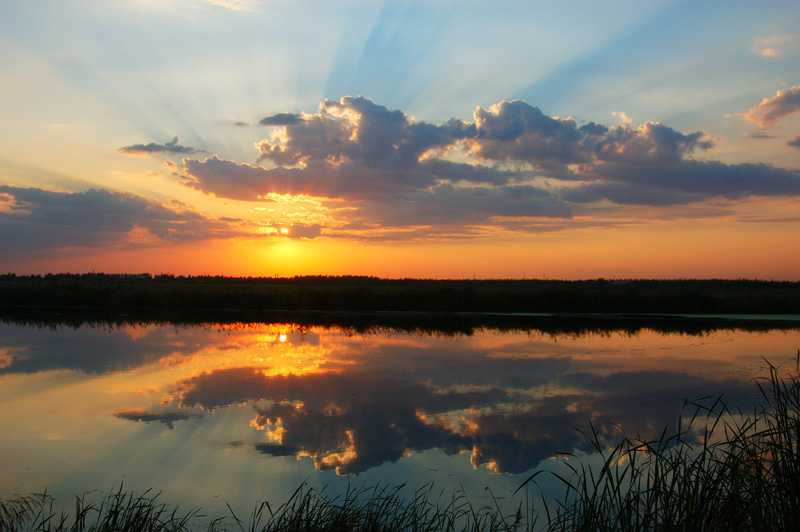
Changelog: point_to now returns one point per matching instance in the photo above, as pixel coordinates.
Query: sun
(284, 231)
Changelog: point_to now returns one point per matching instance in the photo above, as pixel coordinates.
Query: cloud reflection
(167, 418)
(351, 402)
(352, 421)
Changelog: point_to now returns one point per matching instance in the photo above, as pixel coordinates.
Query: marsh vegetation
(352, 293)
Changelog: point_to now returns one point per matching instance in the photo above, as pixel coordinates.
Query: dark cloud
(351, 149)
(684, 182)
(324, 417)
(767, 113)
(515, 442)
(170, 147)
(628, 194)
(396, 178)
(281, 119)
(635, 400)
(40, 220)
(167, 418)
(455, 177)
(795, 142)
(352, 420)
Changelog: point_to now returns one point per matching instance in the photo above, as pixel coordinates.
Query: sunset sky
(448, 139)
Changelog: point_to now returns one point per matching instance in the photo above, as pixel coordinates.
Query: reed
(378, 508)
(720, 471)
(120, 511)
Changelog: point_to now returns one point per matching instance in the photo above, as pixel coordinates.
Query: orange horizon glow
(657, 251)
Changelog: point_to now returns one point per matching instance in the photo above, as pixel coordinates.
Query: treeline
(353, 293)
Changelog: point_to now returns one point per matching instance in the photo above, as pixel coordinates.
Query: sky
(443, 139)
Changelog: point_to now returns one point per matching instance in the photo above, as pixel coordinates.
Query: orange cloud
(771, 110)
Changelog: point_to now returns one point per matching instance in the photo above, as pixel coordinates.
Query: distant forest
(372, 294)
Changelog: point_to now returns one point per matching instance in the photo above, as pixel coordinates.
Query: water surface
(245, 412)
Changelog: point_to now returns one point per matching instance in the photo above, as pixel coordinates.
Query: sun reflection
(276, 349)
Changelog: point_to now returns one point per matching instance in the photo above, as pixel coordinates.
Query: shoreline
(368, 294)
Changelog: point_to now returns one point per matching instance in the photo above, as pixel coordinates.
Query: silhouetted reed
(720, 471)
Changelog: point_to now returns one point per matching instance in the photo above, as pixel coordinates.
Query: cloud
(379, 168)
(318, 416)
(281, 119)
(88, 350)
(144, 149)
(290, 230)
(235, 5)
(776, 46)
(624, 118)
(684, 182)
(771, 110)
(37, 220)
(795, 142)
(517, 132)
(321, 418)
(167, 418)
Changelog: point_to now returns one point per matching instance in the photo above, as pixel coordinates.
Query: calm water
(248, 412)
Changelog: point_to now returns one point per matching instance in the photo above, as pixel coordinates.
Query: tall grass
(720, 471)
(380, 509)
(376, 508)
(119, 511)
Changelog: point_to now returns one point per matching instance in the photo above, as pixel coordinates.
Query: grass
(719, 471)
(359, 509)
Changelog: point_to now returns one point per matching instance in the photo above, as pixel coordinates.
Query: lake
(238, 413)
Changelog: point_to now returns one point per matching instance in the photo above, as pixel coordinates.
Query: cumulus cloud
(40, 220)
(318, 416)
(387, 419)
(624, 118)
(144, 149)
(515, 132)
(771, 110)
(511, 160)
(795, 142)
